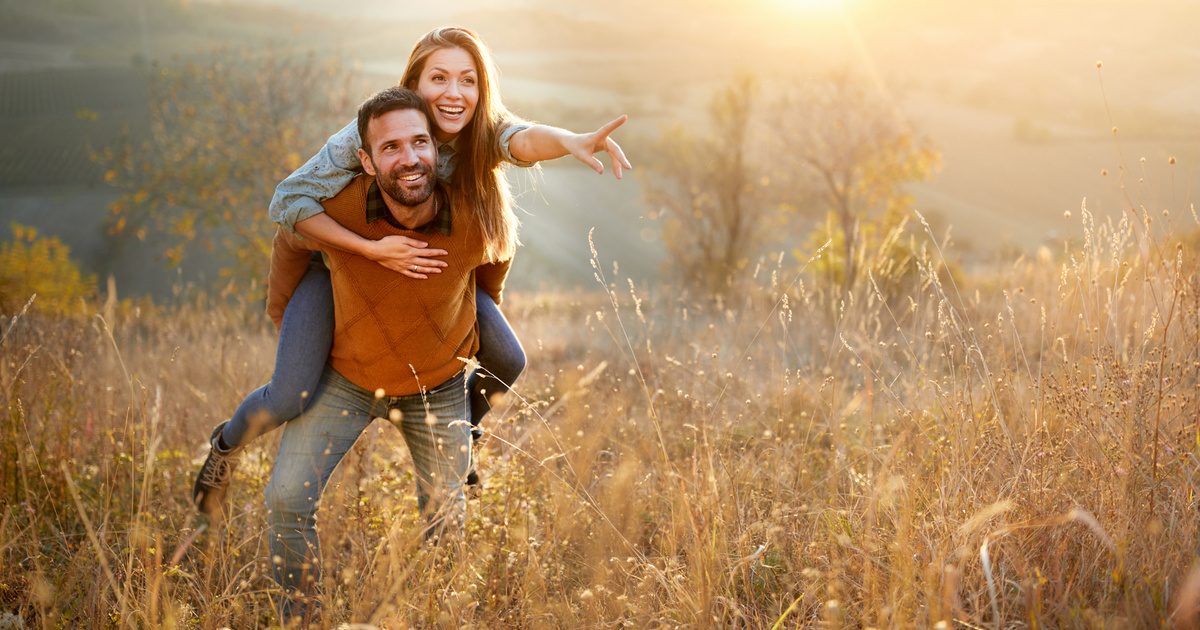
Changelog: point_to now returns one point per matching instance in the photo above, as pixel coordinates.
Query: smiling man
(397, 341)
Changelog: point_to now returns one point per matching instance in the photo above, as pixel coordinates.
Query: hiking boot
(212, 483)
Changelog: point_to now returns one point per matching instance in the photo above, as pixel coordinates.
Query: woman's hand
(407, 256)
(585, 146)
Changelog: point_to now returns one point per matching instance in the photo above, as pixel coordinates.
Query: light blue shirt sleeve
(324, 175)
(506, 140)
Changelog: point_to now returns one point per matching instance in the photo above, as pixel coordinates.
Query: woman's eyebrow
(441, 69)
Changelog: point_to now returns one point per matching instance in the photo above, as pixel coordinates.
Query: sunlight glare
(811, 5)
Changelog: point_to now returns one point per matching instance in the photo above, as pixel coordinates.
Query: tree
(850, 145)
(704, 188)
(31, 264)
(223, 132)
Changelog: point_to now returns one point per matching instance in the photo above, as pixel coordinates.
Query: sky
(1009, 92)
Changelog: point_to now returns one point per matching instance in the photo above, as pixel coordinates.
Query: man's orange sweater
(393, 332)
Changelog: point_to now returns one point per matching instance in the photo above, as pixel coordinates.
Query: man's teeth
(411, 178)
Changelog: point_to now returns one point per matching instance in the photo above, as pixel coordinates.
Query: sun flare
(811, 5)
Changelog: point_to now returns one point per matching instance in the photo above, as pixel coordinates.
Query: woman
(452, 69)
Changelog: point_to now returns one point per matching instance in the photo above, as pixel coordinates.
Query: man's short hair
(390, 100)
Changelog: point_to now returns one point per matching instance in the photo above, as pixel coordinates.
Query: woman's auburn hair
(478, 179)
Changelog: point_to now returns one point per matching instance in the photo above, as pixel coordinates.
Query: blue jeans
(436, 427)
(304, 341)
(305, 337)
(501, 357)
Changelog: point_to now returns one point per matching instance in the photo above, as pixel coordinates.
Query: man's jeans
(436, 427)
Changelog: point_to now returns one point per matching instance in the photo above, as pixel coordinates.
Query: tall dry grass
(1015, 447)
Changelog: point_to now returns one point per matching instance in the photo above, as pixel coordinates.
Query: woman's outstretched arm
(543, 142)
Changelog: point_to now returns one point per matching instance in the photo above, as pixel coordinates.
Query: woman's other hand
(407, 256)
(585, 146)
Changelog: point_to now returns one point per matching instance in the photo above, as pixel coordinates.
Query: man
(397, 343)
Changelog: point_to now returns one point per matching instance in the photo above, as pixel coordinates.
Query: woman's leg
(501, 358)
(304, 341)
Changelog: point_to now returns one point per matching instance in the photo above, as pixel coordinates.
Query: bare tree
(704, 188)
(849, 144)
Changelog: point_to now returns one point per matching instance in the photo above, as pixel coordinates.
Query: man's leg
(310, 449)
(437, 429)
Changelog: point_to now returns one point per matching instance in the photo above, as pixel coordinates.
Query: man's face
(402, 156)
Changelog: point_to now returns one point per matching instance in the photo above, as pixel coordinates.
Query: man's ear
(367, 164)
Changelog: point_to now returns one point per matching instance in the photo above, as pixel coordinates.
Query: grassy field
(1012, 448)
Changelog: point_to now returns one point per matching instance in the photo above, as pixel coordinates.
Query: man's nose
(408, 155)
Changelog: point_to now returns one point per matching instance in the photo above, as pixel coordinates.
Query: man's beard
(390, 185)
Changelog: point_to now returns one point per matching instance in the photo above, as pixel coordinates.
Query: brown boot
(212, 483)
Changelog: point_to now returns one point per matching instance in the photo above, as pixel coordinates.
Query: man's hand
(407, 256)
(584, 146)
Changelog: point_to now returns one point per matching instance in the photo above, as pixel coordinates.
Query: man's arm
(289, 262)
(491, 276)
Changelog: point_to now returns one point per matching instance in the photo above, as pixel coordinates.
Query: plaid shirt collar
(377, 209)
(446, 153)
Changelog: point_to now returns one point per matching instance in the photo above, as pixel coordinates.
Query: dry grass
(1014, 448)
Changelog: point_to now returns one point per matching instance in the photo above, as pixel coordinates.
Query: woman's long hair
(477, 177)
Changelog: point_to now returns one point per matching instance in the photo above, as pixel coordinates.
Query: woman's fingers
(593, 162)
(607, 129)
(412, 262)
(617, 154)
(619, 161)
(600, 141)
(429, 263)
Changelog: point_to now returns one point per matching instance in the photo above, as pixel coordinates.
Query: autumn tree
(705, 188)
(36, 264)
(840, 139)
(222, 133)
(832, 146)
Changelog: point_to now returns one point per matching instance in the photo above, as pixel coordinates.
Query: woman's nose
(452, 88)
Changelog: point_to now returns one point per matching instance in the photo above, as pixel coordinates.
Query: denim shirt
(325, 174)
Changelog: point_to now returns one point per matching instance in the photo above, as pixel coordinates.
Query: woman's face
(449, 82)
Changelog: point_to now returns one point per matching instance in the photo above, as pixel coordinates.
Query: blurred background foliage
(33, 263)
(223, 132)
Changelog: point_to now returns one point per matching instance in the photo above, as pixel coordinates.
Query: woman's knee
(511, 363)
